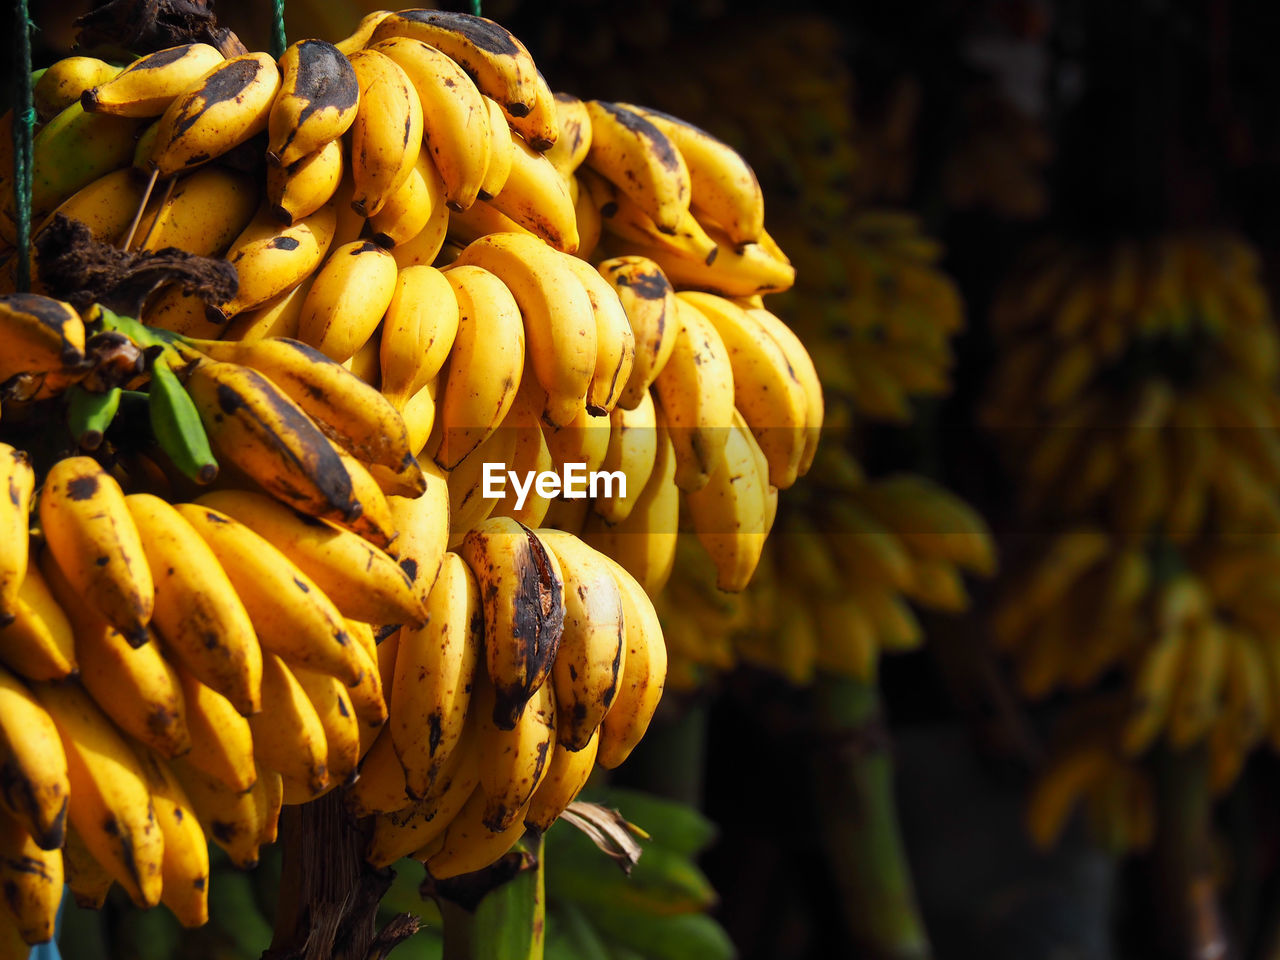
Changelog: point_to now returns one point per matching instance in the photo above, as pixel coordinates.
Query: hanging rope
(278, 42)
(475, 7)
(24, 119)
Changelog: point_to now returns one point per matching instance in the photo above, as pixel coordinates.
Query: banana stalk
(854, 789)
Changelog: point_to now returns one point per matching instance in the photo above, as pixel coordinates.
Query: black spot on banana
(40, 334)
(176, 423)
(89, 414)
(316, 103)
(659, 143)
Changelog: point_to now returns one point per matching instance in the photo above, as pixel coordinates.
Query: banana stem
(1184, 893)
(853, 780)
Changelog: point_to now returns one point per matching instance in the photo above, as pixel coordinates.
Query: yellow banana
(231, 818)
(468, 845)
(1199, 686)
(380, 787)
(347, 299)
(271, 259)
(468, 504)
(88, 882)
(589, 661)
(338, 720)
(206, 210)
(650, 305)
(316, 103)
(695, 396)
(537, 197)
(574, 139)
(40, 335)
(485, 362)
(221, 741)
(522, 593)
(277, 317)
(34, 765)
(300, 190)
(513, 762)
(630, 152)
(288, 736)
(38, 643)
(540, 127)
(615, 342)
(228, 105)
(633, 451)
(565, 779)
(110, 805)
(559, 324)
(627, 220)
(802, 368)
(644, 674)
(434, 676)
(387, 133)
(146, 87)
(455, 129)
(31, 879)
(292, 617)
(418, 331)
(19, 479)
(95, 543)
(423, 523)
(359, 38)
(529, 456)
(644, 542)
(412, 207)
(185, 867)
(201, 619)
(65, 80)
(757, 268)
(106, 206)
(426, 247)
(501, 152)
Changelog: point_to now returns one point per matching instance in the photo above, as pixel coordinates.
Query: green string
(278, 42)
(475, 7)
(24, 119)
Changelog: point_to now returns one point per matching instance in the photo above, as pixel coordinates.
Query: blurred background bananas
(260, 566)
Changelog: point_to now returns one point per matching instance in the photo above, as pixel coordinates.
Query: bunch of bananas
(442, 267)
(1135, 395)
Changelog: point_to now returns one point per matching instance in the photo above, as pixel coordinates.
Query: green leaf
(690, 936)
(571, 936)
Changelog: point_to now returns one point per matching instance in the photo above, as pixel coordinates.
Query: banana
(358, 39)
(468, 845)
(65, 80)
(367, 697)
(185, 867)
(375, 523)
(231, 818)
(277, 317)
(380, 787)
(435, 674)
(414, 205)
(292, 617)
(540, 127)
(178, 312)
(1153, 688)
(565, 779)
(1199, 686)
(574, 139)
(516, 760)
(455, 127)
(203, 214)
(110, 805)
(270, 259)
(523, 610)
(88, 882)
(95, 543)
(644, 543)
(106, 206)
(588, 220)
(300, 190)
(729, 512)
(627, 220)
(347, 299)
(221, 741)
(650, 305)
(722, 186)
(426, 247)
(615, 342)
(637, 157)
(146, 87)
(480, 220)
(766, 392)
(31, 879)
(228, 105)
(349, 411)
(364, 583)
(418, 331)
(491, 56)
(316, 104)
(801, 366)
(254, 425)
(288, 735)
(589, 662)
(931, 521)
(19, 479)
(339, 721)
(387, 133)
(757, 268)
(38, 643)
(559, 324)
(33, 764)
(70, 152)
(501, 152)
(468, 505)
(644, 674)
(529, 456)
(423, 523)
(197, 612)
(633, 451)
(40, 335)
(176, 424)
(401, 832)
(537, 198)
(485, 362)
(695, 394)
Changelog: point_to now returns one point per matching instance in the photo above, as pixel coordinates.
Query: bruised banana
(632, 153)
(316, 104)
(146, 87)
